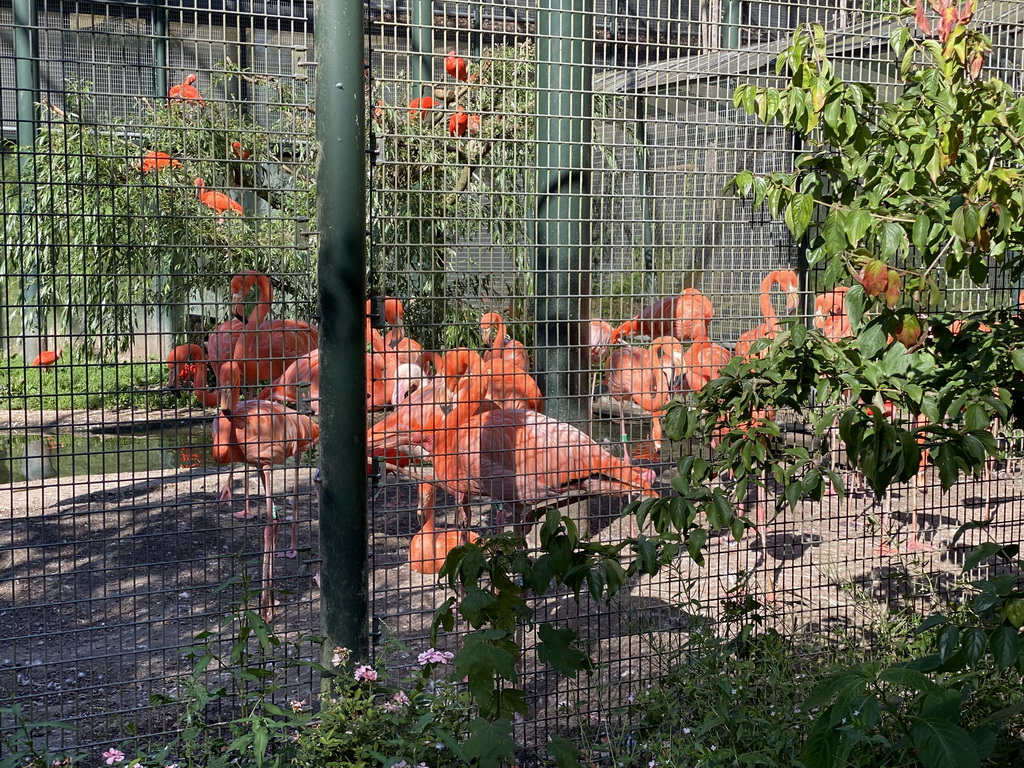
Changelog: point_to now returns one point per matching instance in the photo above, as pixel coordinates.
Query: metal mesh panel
(115, 548)
(663, 140)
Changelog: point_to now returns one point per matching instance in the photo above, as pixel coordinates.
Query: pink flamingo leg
(269, 537)
(293, 548)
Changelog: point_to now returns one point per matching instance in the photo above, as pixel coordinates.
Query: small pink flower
(365, 672)
(400, 698)
(112, 756)
(297, 706)
(435, 657)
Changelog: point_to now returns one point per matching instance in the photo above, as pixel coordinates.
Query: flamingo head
(200, 183)
(407, 379)
(60, 351)
(491, 326)
(189, 79)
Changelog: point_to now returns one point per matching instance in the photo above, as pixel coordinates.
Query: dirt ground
(105, 579)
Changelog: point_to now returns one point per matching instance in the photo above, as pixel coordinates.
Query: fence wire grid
(155, 152)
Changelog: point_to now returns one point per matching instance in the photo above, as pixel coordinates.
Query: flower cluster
(432, 656)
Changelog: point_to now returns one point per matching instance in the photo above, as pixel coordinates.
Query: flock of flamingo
(476, 416)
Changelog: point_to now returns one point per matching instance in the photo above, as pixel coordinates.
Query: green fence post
(421, 59)
(731, 24)
(160, 85)
(562, 258)
(341, 221)
(26, 83)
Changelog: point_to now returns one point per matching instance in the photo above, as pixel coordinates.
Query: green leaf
(563, 752)
(798, 214)
(891, 239)
(855, 305)
(857, 222)
(1005, 644)
(973, 644)
(823, 747)
(981, 552)
(490, 743)
(922, 226)
(555, 648)
(942, 744)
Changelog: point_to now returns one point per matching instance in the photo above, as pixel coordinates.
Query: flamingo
(302, 371)
(183, 364)
(428, 548)
(403, 431)
(276, 343)
(46, 358)
(637, 374)
(260, 433)
(495, 337)
(600, 339)
(830, 314)
(703, 359)
(518, 457)
(155, 161)
(789, 283)
(186, 91)
(458, 124)
(685, 316)
(216, 201)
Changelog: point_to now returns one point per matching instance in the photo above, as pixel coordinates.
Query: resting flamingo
(260, 433)
(46, 358)
(518, 457)
(686, 316)
(789, 283)
(301, 372)
(402, 432)
(703, 359)
(830, 314)
(499, 344)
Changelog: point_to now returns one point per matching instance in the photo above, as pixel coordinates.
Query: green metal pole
(646, 201)
(421, 62)
(26, 83)
(160, 85)
(562, 258)
(731, 24)
(341, 221)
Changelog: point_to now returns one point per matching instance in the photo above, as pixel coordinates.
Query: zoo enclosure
(113, 562)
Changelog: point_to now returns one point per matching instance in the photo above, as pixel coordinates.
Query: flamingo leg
(761, 521)
(293, 547)
(914, 543)
(885, 544)
(269, 543)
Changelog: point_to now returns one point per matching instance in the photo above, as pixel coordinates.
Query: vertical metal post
(646, 202)
(563, 235)
(26, 84)
(475, 31)
(731, 24)
(160, 85)
(421, 56)
(341, 206)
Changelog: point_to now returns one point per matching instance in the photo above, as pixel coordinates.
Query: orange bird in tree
(518, 457)
(458, 124)
(155, 161)
(685, 316)
(789, 283)
(428, 548)
(216, 201)
(186, 91)
(500, 344)
(46, 358)
(420, 108)
(261, 434)
(239, 151)
(455, 66)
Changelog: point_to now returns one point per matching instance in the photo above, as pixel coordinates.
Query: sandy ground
(105, 579)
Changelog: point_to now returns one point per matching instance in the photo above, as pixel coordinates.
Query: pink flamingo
(686, 316)
(186, 91)
(260, 433)
(302, 371)
(789, 283)
(499, 344)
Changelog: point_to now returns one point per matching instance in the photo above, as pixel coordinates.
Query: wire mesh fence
(519, 219)
(161, 151)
